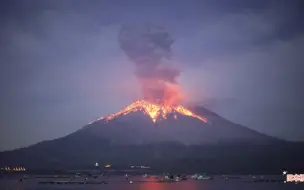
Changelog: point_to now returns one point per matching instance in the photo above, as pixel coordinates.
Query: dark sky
(61, 64)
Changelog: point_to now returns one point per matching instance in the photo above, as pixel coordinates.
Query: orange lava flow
(154, 111)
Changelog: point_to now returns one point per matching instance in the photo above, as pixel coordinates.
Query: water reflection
(151, 186)
(183, 185)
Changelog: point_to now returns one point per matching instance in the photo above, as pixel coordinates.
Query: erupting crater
(154, 111)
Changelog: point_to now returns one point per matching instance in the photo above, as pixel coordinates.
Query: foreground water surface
(118, 183)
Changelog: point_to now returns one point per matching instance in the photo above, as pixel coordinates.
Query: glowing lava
(154, 111)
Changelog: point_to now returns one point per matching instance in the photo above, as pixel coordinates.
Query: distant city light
(142, 167)
(13, 169)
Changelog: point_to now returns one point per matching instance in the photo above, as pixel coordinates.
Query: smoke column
(149, 47)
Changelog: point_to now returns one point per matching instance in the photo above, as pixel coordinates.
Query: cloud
(58, 73)
(245, 58)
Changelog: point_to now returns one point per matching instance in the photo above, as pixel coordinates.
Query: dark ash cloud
(148, 46)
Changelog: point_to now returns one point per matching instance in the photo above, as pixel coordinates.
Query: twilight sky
(61, 65)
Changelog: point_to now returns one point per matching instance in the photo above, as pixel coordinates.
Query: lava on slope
(154, 111)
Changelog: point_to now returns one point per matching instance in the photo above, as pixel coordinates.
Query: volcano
(154, 111)
(167, 138)
(143, 122)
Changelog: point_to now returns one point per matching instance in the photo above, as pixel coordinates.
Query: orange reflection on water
(182, 185)
(151, 186)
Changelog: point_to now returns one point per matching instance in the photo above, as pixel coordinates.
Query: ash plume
(149, 46)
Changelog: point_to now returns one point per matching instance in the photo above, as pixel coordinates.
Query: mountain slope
(180, 143)
(137, 128)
